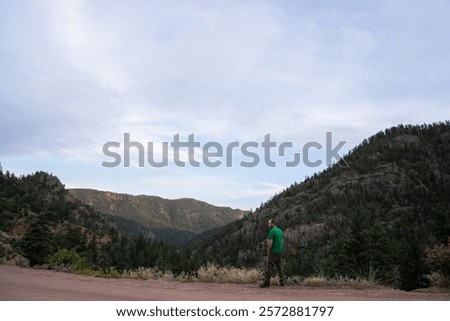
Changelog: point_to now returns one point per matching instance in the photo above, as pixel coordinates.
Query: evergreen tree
(36, 244)
(413, 267)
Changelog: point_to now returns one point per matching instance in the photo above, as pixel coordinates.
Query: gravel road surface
(17, 284)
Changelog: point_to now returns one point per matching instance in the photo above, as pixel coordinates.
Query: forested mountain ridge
(174, 221)
(381, 213)
(41, 222)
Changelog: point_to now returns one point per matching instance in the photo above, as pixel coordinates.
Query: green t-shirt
(276, 235)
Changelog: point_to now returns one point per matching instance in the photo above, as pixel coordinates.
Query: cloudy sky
(75, 75)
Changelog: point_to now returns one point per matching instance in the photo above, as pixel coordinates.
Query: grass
(70, 261)
(367, 275)
(212, 273)
(149, 273)
(356, 283)
(361, 278)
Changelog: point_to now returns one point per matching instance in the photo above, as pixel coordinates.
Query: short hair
(272, 220)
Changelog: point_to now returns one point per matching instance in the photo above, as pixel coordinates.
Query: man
(274, 254)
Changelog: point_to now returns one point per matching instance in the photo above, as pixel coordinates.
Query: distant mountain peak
(171, 220)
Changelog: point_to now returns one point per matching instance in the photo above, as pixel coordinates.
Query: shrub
(367, 275)
(439, 260)
(144, 273)
(69, 261)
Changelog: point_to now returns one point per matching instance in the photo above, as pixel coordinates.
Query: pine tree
(413, 267)
(35, 245)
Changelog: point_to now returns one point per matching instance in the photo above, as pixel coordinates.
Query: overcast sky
(75, 75)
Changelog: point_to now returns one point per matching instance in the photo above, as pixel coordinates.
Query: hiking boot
(282, 283)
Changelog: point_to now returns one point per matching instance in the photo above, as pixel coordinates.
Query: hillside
(36, 219)
(377, 217)
(41, 225)
(175, 221)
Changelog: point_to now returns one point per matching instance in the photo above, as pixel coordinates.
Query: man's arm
(269, 243)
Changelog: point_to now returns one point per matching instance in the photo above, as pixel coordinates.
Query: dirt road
(18, 284)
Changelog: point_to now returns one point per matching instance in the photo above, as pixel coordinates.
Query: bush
(69, 261)
(439, 259)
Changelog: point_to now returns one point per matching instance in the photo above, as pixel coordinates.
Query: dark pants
(274, 260)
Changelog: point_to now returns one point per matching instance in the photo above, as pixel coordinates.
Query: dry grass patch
(212, 273)
(148, 273)
(316, 281)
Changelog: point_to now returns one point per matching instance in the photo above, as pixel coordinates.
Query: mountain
(174, 221)
(41, 224)
(380, 215)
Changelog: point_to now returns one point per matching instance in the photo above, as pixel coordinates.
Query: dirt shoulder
(17, 284)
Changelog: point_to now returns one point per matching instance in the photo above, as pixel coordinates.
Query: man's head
(271, 223)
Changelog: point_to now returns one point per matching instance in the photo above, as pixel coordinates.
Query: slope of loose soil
(18, 284)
